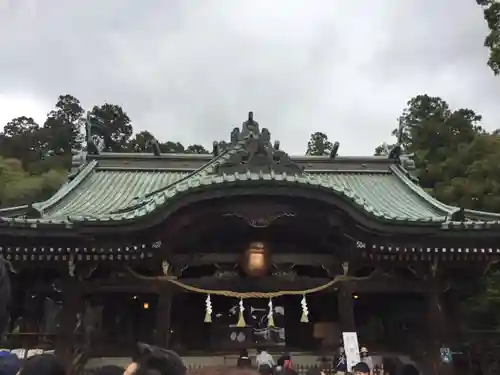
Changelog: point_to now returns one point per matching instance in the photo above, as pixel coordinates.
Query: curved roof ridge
(66, 188)
(482, 215)
(208, 168)
(446, 209)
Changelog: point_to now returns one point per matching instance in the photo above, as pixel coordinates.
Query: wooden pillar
(346, 308)
(72, 304)
(164, 316)
(438, 330)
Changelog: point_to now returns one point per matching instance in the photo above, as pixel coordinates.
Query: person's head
(43, 364)
(9, 363)
(109, 370)
(361, 369)
(409, 370)
(363, 352)
(243, 353)
(153, 360)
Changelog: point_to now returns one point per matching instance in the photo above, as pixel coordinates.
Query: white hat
(364, 350)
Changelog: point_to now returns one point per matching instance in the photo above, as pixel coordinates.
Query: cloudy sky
(190, 70)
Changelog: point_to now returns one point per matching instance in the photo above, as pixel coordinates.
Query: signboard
(351, 348)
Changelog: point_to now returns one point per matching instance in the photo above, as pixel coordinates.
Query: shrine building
(243, 248)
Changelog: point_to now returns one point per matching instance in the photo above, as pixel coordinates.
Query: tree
(61, 130)
(491, 10)
(170, 147)
(319, 145)
(21, 138)
(117, 125)
(140, 142)
(444, 143)
(196, 149)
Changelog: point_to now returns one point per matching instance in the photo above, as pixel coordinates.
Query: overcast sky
(190, 70)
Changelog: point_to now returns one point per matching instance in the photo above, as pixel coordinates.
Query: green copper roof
(126, 187)
(98, 194)
(102, 195)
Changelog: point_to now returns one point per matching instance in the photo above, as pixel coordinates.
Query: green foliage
(19, 187)
(491, 10)
(34, 160)
(453, 154)
(457, 162)
(61, 131)
(196, 149)
(482, 309)
(117, 126)
(319, 145)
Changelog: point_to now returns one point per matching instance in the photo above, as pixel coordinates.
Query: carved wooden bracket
(260, 221)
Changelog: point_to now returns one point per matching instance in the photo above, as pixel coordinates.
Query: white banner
(351, 348)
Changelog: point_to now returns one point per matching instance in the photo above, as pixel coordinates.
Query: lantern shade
(256, 260)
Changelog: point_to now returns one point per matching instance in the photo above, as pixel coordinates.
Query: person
(153, 360)
(366, 358)
(42, 364)
(361, 368)
(409, 370)
(284, 365)
(244, 360)
(264, 359)
(9, 363)
(109, 370)
(341, 361)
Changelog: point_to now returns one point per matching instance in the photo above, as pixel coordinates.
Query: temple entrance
(118, 321)
(189, 333)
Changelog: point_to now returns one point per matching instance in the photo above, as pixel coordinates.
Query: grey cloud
(190, 70)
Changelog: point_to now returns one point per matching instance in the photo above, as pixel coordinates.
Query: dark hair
(43, 364)
(409, 370)
(161, 361)
(361, 367)
(109, 370)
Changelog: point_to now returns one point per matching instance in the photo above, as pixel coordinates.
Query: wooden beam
(295, 258)
(388, 285)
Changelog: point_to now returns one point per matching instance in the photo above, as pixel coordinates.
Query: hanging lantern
(256, 260)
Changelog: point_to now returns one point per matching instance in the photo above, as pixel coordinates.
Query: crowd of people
(265, 365)
(152, 360)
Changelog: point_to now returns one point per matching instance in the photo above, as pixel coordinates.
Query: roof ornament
(155, 146)
(398, 154)
(94, 134)
(254, 152)
(335, 150)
